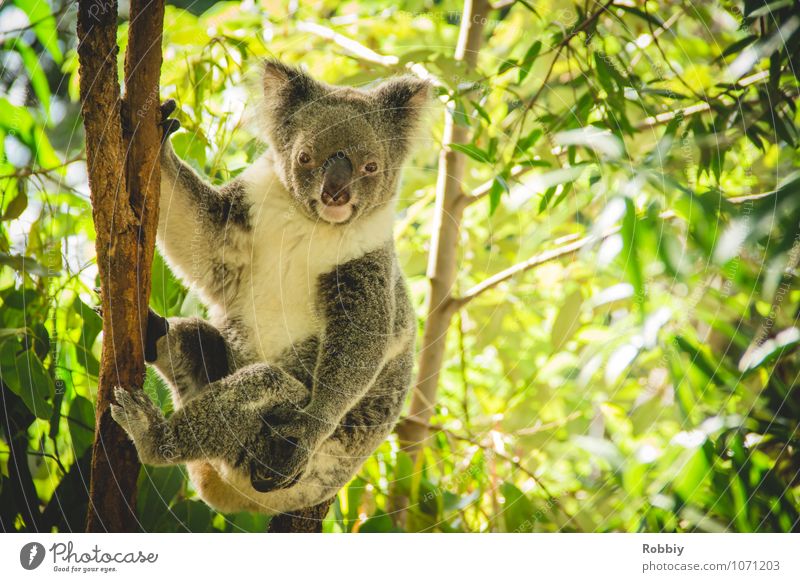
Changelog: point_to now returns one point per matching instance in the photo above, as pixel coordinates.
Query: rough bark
(450, 204)
(124, 184)
(308, 520)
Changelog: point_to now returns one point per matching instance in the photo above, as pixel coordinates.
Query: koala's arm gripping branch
(196, 219)
(184, 189)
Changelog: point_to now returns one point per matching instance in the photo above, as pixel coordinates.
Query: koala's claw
(289, 437)
(168, 108)
(98, 309)
(280, 474)
(168, 126)
(135, 413)
(157, 327)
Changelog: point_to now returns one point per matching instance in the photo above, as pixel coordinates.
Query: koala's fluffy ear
(403, 100)
(287, 87)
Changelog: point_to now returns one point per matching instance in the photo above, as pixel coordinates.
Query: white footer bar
(401, 557)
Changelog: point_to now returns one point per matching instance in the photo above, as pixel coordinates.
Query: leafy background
(646, 382)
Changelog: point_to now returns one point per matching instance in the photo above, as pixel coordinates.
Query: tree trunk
(124, 180)
(450, 204)
(308, 520)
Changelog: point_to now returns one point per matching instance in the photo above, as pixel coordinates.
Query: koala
(303, 365)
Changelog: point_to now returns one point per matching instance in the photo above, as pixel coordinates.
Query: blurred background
(634, 164)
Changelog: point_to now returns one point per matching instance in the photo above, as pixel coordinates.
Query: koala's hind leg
(224, 422)
(190, 356)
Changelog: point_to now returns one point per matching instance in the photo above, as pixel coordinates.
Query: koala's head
(339, 150)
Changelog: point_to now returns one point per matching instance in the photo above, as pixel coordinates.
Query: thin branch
(533, 262)
(665, 26)
(664, 56)
(29, 171)
(78, 422)
(750, 197)
(51, 457)
(541, 89)
(668, 116)
(500, 4)
(442, 258)
(363, 52)
(586, 23)
(31, 25)
(547, 425)
(568, 249)
(348, 44)
(484, 189)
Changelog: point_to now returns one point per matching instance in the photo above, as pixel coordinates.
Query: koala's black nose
(336, 180)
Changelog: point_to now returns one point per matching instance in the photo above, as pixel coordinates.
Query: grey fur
(293, 411)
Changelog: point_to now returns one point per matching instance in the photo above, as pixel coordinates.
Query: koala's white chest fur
(285, 255)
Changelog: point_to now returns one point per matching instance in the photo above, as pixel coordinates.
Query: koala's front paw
(144, 422)
(290, 444)
(157, 327)
(168, 126)
(98, 309)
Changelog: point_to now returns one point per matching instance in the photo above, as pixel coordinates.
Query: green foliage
(645, 382)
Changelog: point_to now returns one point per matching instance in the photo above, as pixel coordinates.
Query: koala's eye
(304, 158)
(371, 167)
